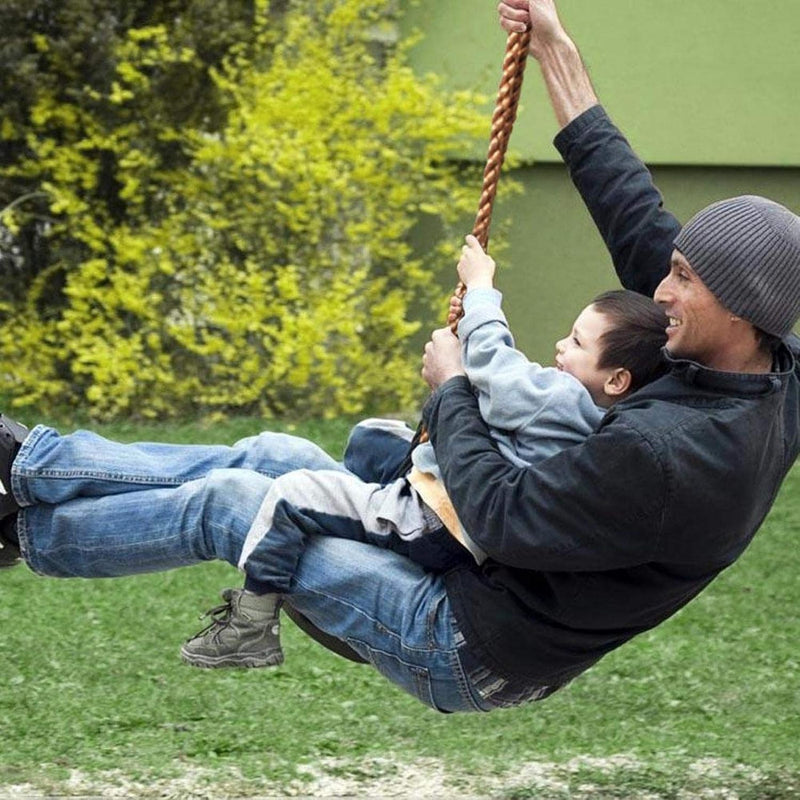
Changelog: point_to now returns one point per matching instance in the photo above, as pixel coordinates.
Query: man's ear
(618, 382)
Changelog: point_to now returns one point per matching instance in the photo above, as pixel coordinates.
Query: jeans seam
(17, 468)
(22, 536)
(462, 682)
(430, 633)
(122, 477)
(126, 476)
(21, 472)
(373, 620)
(421, 675)
(277, 473)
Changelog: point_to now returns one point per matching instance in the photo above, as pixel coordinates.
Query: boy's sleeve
(513, 392)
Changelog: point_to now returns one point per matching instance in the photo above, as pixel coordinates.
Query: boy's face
(579, 353)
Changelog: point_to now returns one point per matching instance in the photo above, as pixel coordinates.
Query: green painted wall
(690, 81)
(706, 90)
(555, 261)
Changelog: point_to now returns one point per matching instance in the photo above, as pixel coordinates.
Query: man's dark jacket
(610, 537)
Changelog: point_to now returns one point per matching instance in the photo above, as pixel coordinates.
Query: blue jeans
(95, 508)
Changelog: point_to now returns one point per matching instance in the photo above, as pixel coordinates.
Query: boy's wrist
(480, 283)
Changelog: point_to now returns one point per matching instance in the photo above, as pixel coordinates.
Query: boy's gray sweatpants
(340, 504)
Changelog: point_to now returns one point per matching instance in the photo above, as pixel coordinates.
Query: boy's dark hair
(636, 336)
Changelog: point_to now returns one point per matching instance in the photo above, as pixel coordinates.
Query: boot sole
(236, 661)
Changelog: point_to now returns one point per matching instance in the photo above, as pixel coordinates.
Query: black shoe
(12, 435)
(9, 548)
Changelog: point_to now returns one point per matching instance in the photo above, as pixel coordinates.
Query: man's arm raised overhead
(568, 84)
(615, 185)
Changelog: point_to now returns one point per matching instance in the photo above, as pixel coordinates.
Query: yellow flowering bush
(259, 266)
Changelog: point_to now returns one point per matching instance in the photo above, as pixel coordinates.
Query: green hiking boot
(243, 632)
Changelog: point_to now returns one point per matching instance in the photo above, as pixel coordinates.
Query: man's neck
(753, 363)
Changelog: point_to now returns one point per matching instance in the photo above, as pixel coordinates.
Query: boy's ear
(618, 382)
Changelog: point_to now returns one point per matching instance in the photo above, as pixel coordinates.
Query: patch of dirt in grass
(582, 778)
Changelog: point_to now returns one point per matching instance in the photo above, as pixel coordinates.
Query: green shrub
(261, 264)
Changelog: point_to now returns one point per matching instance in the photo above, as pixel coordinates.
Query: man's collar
(739, 382)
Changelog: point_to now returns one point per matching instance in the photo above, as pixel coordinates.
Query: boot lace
(220, 619)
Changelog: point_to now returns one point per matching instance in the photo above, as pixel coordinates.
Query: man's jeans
(94, 508)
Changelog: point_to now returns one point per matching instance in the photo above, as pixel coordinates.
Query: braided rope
(505, 114)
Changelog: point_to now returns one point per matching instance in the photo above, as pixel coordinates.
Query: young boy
(533, 412)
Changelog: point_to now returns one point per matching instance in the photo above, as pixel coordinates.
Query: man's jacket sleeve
(619, 193)
(570, 512)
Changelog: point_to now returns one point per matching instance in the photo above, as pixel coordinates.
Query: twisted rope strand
(505, 113)
(503, 118)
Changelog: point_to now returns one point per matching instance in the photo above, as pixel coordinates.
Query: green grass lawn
(93, 693)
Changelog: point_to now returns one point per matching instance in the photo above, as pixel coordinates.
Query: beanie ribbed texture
(746, 250)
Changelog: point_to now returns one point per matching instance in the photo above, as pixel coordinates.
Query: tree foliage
(197, 221)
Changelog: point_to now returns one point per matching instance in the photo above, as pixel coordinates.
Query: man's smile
(673, 324)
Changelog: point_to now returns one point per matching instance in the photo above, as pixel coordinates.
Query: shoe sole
(240, 661)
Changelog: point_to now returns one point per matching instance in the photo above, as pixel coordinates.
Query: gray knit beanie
(746, 250)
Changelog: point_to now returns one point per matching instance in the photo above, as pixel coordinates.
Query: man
(586, 549)
(620, 532)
